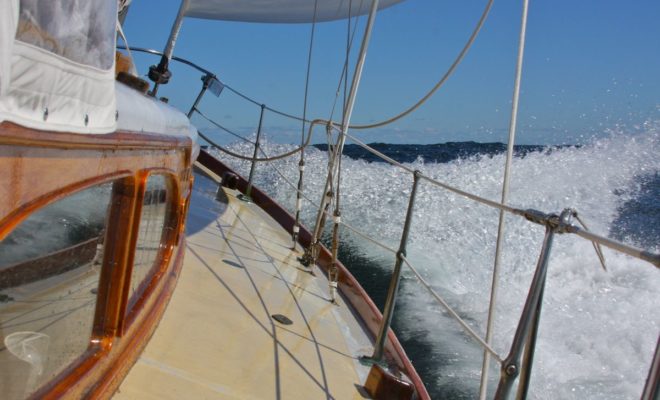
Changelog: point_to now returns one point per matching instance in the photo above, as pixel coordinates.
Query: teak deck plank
(217, 338)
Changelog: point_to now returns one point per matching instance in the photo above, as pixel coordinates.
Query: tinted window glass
(49, 273)
(154, 230)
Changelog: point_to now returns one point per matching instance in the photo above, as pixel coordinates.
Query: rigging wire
(343, 78)
(247, 158)
(393, 119)
(222, 127)
(442, 80)
(505, 192)
(301, 163)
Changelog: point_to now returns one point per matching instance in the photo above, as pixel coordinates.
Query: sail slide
(280, 11)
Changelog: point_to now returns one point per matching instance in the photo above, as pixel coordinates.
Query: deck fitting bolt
(511, 369)
(45, 113)
(282, 319)
(86, 119)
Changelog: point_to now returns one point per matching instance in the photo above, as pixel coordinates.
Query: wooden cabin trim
(43, 167)
(128, 349)
(99, 372)
(357, 297)
(14, 134)
(17, 216)
(37, 163)
(115, 259)
(133, 307)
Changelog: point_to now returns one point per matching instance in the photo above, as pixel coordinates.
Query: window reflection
(153, 232)
(49, 272)
(82, 31)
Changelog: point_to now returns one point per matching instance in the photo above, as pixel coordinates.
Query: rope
(273, 110)
(453, 313)
(242, 157)
(397, 117)
(310, 201)
(345, 224)
(301, 163)
(442, 80)
(222, 127)
(343, 77)
(309, 68)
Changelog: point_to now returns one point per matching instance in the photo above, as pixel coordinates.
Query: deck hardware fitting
(282, 319)
(368, 361)
(245, 198)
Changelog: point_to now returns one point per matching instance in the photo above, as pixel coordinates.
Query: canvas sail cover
(280, 11)
(57, 64)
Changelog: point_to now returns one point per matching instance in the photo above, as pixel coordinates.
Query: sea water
(598, 327)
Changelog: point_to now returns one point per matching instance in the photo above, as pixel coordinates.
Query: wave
(598, 328)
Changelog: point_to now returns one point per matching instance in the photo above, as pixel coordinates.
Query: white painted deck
(217, 338)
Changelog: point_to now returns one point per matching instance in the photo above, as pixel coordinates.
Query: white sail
(280, 11)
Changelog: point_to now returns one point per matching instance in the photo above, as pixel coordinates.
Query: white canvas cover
(8, 24)
(61, 66)
(280, 11)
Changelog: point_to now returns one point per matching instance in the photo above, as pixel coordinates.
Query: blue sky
(590, 67)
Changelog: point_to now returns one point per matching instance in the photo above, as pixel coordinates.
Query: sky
(591, 67)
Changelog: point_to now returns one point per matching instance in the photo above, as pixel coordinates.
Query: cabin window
(81, 31)
(50, 266)
(155, 233)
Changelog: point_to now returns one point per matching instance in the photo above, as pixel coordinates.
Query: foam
(598, 329)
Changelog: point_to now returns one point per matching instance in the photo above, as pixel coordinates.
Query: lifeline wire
(313, 203)
(222, 127)
(442, 80)
(301, 163)
(453, 313)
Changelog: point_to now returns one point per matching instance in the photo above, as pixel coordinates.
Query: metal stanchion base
(245, 198)
(368, 361)
(305, 261)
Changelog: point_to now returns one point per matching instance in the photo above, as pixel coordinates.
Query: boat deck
(217, 338)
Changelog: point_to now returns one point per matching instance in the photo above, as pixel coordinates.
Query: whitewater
(598, 328)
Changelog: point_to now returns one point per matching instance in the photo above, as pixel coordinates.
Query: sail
(280, 11)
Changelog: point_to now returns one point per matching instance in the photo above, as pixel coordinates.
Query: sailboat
(136, 264)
